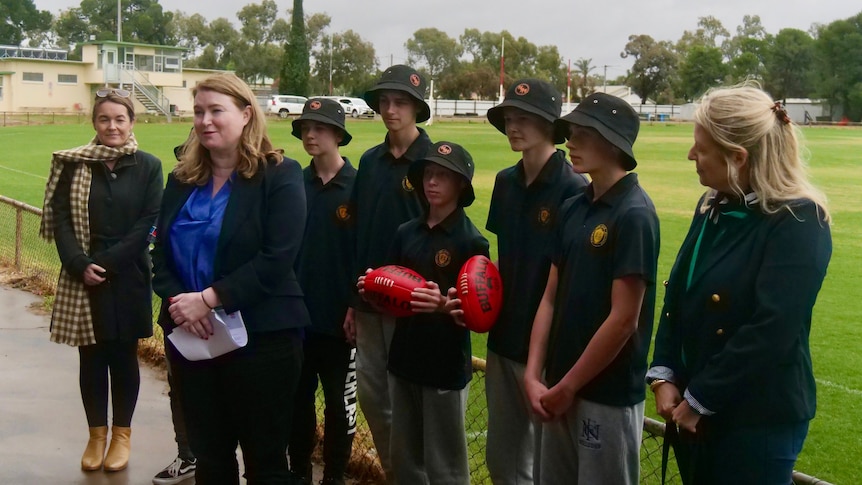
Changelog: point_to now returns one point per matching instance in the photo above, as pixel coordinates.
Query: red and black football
(388, 288)
(481, 292)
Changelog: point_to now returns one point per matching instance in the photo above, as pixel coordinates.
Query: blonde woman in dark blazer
(230, 228)
(732, 366)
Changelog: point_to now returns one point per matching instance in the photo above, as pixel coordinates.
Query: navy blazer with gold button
(737, 337)
(260, 237)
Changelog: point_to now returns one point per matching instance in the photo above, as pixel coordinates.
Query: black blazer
(260, 238)
(737, 339)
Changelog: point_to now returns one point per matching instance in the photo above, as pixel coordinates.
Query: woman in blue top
(228, 233)
(732, 365)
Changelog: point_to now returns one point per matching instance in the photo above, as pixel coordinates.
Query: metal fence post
(19, 236)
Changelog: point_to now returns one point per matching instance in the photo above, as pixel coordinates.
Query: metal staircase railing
(146, 92)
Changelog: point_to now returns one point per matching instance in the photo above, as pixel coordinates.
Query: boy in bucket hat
(325, 272)
(585, 373)
(384, 198)
(524, 205)
(430, 356)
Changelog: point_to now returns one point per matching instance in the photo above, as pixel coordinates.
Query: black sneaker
(176, 472)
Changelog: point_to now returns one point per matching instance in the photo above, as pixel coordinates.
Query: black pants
(334, 360)
(120, 359)
(243, 397)
(184, 451)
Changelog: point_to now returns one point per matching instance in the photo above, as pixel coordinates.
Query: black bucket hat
(533, 96)
(400, 78)
(449, 155)
(322, 110)
(612, 117)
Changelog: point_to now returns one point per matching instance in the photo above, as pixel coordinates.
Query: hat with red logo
(400, 78)
(322, 110)
(448, 155)
(534, 96)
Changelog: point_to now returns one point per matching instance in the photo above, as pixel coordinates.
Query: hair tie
(780, 113)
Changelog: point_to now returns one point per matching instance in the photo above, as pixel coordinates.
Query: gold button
(720, 331)
(716, 298)
(665, 282)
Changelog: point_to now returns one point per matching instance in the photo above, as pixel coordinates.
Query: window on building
(67, 78)
(35, 77)
(172, 64)
(144, 63)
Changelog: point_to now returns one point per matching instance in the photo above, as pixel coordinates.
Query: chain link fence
(36, 267)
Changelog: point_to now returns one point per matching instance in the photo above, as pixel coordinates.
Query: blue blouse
(195, 233)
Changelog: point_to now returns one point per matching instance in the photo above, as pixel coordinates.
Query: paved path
(43, 430)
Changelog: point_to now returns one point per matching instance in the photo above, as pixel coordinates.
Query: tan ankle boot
(94, 455)
(118, 453)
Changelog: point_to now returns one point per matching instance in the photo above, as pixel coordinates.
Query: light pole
(119, 21)
(330, 64)
(605, 79)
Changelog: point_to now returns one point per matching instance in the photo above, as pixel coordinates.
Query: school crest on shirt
(590, 434)
(342, 212)
(544, 216)
(442, 258)
(406, 185)
(599, 236)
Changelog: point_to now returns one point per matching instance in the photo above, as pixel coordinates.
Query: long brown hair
(255, 147)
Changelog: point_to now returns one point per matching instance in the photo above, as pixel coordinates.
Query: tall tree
(221, 40)
(142, 21)
(188, 31)
(433, 49)
(550, 66)
(701, 69)
(707, 34)
(790, 65)
(839, 49)
(256, 54)
(294, 73)
(354, 64)
(256, 21)
(20, 19)
(654, 66)
(746, 51)
(584, 83)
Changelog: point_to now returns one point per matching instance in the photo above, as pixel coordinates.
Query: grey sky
(597, 30)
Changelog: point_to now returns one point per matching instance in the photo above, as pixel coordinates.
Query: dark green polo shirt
(430, 349)
(522, 217)
(382, 200)
(594, 243)
(324, 266)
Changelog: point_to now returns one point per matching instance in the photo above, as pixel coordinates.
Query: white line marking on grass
(23, 172)
(841, 387)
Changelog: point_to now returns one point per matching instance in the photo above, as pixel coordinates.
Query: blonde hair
(744, 117)
(255, 148)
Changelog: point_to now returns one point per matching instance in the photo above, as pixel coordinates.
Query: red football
(388, 288)
(481, 292)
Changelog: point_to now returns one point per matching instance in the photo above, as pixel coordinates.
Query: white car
(285, 105)
(354, 107)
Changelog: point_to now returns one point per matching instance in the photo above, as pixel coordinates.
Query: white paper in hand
(229, 334)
